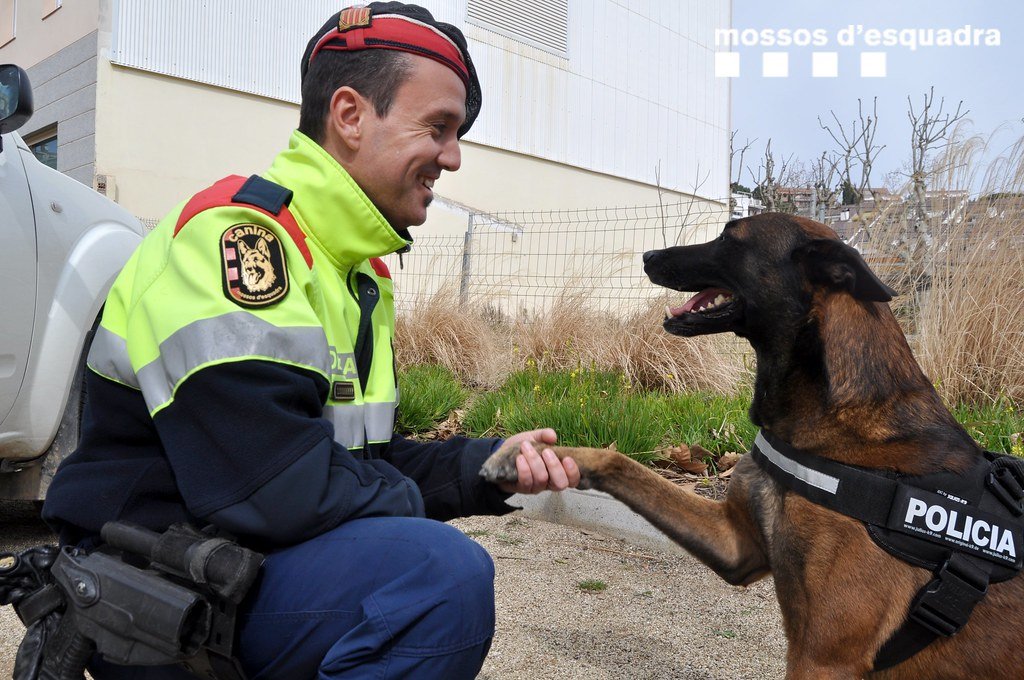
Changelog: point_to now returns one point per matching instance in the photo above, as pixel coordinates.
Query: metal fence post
(466, 263)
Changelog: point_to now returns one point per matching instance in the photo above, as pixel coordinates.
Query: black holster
(141, 599)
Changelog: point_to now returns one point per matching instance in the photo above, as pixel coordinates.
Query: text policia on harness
(967, 529)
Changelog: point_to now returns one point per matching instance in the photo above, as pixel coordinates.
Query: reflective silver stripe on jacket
(348, 424)
(380, 421)
(355, 424)
(788, 465)
(233, 335)
(108, 356)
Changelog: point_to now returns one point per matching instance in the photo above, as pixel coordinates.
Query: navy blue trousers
(374, 598)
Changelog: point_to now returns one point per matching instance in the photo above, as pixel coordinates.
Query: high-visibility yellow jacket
(243, 372)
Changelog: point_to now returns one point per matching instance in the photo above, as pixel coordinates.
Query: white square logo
(727, 64)
(872, 65)
(825, 64)
(775, 64)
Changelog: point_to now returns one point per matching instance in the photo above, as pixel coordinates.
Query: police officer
(242, 375)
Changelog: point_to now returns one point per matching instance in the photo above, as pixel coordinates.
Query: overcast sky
(989, 79)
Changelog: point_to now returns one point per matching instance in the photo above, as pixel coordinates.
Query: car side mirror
(15, 98)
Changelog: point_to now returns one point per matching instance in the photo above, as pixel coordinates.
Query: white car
(61, 246)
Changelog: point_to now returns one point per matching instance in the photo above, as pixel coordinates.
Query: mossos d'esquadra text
(858, 35)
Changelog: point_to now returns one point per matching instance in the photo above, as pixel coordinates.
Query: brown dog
(835, 379)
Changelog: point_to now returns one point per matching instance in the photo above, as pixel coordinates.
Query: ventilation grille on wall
(542, 23)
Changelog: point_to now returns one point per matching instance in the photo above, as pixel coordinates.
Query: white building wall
(635, 97)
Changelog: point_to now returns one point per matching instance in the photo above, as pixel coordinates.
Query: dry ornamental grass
(959, 272)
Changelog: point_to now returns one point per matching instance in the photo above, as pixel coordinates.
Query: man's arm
(252, 455)
(448, 473)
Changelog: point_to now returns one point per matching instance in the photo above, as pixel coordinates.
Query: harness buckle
(1006, 481)
(945, 604)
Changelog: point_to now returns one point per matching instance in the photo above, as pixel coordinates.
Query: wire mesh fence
(523, 262)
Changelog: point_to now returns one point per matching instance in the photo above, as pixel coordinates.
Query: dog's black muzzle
(694, 268)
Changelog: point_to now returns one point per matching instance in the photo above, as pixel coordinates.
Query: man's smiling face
(401, 154)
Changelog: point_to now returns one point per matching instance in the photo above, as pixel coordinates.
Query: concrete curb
(596, 511)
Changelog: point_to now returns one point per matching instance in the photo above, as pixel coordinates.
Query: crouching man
(242, 376)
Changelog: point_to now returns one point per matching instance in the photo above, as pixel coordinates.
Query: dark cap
(407, 28)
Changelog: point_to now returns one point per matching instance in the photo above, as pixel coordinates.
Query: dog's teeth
(719, 300)
(668, 312)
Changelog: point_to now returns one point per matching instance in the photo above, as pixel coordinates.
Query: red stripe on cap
(395, 32)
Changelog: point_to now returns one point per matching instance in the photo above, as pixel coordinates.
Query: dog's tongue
(699, 300)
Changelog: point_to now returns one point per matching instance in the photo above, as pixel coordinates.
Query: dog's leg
(719, 533)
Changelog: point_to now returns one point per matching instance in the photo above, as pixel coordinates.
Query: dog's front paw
(501, 466)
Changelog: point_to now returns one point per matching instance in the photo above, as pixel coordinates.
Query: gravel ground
(659, 615)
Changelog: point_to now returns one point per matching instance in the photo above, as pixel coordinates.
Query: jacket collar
(331, 208)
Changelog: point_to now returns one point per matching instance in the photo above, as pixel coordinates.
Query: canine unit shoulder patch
(253, 265)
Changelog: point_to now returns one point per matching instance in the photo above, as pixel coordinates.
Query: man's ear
(346, 116)
(836, 265)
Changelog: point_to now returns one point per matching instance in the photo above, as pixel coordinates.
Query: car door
(17, 273)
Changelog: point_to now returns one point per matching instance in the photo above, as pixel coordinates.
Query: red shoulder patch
(221, 193)
(379, 267)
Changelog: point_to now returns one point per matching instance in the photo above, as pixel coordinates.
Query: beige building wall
(42, 31)
(160, 139)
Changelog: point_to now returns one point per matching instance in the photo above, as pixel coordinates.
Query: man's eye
(440, 128)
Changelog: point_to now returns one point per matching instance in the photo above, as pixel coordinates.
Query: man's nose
(451, 156)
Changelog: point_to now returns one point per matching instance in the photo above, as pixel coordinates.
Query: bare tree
(867, 151)
(930, 129)
(856, 148)
(742, 151)
(823, 180)
(770, 177)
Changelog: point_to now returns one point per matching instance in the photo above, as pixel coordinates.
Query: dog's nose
(648, 255)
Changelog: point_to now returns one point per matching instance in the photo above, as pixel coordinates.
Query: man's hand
(540, 471)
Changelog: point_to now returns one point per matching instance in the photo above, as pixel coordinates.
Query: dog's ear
(837, 265)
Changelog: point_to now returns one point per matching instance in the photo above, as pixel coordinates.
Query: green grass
(592, 585)
(595, 408)
(428, 394)
(586, 408)
(508, 539)
(997, 426)
(718, 423)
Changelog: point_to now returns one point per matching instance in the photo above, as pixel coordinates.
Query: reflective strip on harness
(816, 479)
(237, 335)
(108, 357)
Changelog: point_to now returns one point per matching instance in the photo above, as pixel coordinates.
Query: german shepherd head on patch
(257, 272)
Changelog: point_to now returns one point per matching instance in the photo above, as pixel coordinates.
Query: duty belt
(968, 529)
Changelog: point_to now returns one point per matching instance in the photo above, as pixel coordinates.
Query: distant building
(743, 204)
(877, 197)
(801, 199)
(945, 204)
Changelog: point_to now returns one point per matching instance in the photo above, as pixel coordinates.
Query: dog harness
(967, 529)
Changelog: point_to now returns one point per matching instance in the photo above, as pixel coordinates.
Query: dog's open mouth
(710, 302)
(710, 311)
